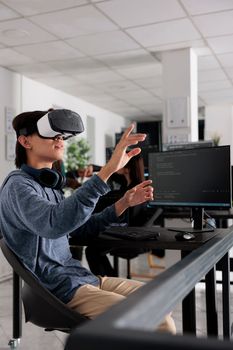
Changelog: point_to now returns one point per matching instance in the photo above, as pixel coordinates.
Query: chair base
(14, 343)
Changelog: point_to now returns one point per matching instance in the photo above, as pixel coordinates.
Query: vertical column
(180, 120)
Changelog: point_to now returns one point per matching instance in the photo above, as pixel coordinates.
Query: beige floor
(36, 338)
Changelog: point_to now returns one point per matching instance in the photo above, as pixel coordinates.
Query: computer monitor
(145, 151)
(198, 178)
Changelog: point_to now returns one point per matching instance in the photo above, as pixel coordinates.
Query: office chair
(41, 307)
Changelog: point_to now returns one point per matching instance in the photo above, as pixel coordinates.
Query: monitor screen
(199, 177)
(145, 151)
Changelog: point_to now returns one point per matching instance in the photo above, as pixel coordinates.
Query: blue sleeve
(34, 213)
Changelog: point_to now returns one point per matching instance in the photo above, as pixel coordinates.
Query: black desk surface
(166, 240)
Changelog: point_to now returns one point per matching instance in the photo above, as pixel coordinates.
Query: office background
(104, 57)
(103, 60)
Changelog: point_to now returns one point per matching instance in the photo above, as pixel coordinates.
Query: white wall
(218, 121)
(9, 97)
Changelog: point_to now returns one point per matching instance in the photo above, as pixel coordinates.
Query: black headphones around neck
(46, 177)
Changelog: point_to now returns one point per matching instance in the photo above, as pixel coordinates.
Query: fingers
(132, 138)
(148, 191)
(120, 156)
(149, 196)
(144, 187)
(128, 131)
(134, 152)
(144, 184)
(140, 194)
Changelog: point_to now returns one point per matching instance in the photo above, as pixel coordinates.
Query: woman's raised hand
(120, 156)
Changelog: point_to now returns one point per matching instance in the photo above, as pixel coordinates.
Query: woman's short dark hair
(21, 121)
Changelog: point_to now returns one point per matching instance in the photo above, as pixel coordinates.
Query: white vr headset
(62, 122)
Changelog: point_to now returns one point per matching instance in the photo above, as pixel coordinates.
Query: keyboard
(132, 233)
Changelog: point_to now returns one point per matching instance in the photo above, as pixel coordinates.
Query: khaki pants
(91, 301)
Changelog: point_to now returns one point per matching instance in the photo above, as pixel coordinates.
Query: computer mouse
(184, 236)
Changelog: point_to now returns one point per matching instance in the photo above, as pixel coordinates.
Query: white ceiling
(107, 52)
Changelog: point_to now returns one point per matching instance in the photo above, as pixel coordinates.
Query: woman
(35, 218)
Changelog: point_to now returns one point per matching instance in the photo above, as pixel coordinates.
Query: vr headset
(62, 122)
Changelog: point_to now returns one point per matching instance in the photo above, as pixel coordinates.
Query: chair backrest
(41, 307)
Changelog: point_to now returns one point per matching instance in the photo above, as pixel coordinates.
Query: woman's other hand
(137, 195)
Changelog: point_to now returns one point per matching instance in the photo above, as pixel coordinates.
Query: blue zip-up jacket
(35, 222)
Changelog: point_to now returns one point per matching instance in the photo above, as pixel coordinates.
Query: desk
(167, 241)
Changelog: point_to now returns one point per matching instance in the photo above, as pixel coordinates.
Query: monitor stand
(198, 217)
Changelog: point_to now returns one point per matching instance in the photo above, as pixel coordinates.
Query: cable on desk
(210, 221)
